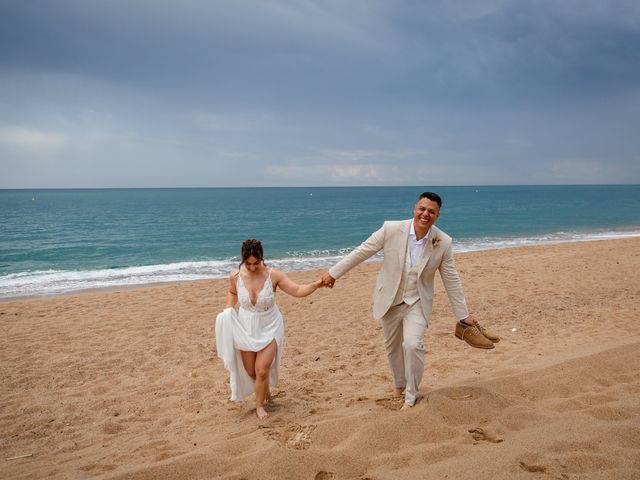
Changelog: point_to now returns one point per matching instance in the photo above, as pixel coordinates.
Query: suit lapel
(426, 252)
(404, 238)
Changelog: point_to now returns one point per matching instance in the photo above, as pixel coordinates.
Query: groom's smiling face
(425, 214)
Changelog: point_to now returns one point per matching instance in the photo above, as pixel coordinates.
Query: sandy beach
(127, 385)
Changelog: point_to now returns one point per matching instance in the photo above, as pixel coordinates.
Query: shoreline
(127, 384)
(98, 290)
(116, 288)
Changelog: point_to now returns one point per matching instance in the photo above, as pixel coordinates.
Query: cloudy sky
(189, 93)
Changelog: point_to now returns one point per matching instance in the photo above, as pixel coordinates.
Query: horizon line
(329, 186)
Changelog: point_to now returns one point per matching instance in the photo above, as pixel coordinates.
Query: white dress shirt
(415, 246)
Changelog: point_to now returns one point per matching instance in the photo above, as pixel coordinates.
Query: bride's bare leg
(264, 359)
(249, 362)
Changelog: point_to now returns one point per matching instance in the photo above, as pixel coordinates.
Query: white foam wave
(54, 282)
(489, 243)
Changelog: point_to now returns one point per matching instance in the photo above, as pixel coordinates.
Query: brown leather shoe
(472, 335)
(490, 335)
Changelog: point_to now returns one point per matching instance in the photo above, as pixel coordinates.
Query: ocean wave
(492, 243)
(55, 282)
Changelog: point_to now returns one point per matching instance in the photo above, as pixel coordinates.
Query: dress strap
(268, 281)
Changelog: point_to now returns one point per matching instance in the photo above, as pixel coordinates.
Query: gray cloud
(197, 93)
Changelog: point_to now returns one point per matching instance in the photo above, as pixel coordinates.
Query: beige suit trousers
(404, 327)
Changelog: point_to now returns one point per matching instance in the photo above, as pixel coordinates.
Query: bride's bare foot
(261, 413)
(398, 391)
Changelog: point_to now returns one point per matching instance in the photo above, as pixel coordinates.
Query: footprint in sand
(391, 403)
(480, 434)
(98, 468)
(300, 438)
(532, 468)
(291, 435)
(610, 414)
(462, 393)
(354, 401)
(322, 475)
(111, 428)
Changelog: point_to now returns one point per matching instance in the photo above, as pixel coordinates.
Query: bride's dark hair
(251, 248)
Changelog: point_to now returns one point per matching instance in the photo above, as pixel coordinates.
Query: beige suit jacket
(393, 239)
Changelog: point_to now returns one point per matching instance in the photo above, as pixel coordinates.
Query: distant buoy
(33, 199)
(311, 194)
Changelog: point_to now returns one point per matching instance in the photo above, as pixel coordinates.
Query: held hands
(327, 280)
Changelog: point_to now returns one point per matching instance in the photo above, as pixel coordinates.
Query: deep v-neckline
(259, 292)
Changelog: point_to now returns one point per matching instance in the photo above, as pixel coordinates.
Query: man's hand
(470, 320)
(328, 280)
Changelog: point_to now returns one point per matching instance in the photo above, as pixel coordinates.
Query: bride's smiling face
(252, 264)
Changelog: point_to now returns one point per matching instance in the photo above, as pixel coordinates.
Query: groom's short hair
(434, 197)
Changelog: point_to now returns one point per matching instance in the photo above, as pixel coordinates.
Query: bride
(250, 342)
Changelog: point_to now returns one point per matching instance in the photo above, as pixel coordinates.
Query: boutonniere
(435, 241)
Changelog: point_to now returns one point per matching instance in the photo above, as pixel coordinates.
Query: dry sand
(127, 384)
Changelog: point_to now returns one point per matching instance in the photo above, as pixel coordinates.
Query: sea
(61, 241)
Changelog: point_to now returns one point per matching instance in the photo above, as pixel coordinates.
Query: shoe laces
(473, 329)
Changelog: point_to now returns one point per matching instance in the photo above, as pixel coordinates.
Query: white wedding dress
(251, 330)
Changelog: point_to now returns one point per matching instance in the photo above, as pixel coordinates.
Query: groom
(403, 295)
